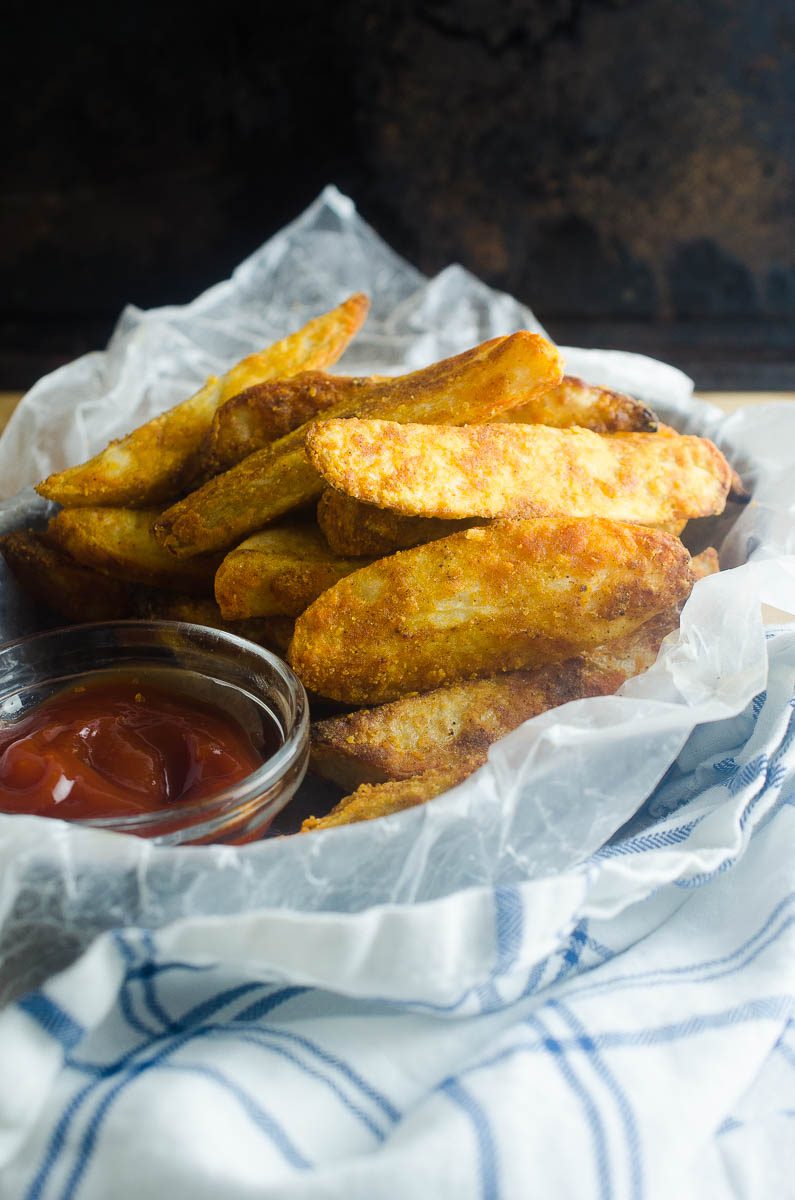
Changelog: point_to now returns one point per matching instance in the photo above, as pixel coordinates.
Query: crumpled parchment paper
(555, 789)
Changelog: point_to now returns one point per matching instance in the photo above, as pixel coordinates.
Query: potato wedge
(442, 729)
(155, 461)
(519, 471)
(574, 402)
(738, 492)
(433, 730)
(62, 585)
(353, 528)
(278, 572)
(438, 730)
(469, 387)
(263, 413)
(150, 464)
(119, 542)
(381, 800)
(496, 598)
(275, 632)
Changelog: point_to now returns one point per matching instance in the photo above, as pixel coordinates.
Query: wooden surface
(731, 401)
(8, 402)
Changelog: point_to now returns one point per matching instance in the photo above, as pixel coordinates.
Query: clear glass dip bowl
(236, 676)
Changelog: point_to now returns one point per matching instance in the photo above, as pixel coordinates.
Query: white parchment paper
(554, 790)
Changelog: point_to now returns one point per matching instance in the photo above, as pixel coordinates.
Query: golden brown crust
(381, 800)
(353, 528)
(574, 402)
(738, 492)
(156, 461)
(435, 730)
(497, 598)
(472, 386)
(443, 729)
(278, 572)
(74, 592)
(267, 411)
(119, 542)
(148, 466)
(519, 471)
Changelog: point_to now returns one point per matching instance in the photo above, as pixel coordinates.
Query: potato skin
(267, 411)
(355, 529)
(510, 595)
(148, 466)
(520, 471)
(574, 402)
(273, 632)
(317, 344)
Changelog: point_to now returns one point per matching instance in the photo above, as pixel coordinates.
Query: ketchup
(116, 748)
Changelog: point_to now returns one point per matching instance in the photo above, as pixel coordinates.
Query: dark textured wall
(625, 166)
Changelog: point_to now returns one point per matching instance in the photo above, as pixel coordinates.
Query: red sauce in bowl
(121, 747)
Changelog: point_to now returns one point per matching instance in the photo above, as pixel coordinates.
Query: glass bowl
(236, 676)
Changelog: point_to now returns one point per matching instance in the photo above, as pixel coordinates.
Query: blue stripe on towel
(264, 1043)
(484, 1136)
(509, 921)
(260, 1118)
(53, 1019)
(622, 1103)
(557, 1050)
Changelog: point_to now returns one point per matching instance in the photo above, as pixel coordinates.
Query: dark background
(624, 166)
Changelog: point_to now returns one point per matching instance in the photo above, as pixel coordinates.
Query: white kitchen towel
(639, 1045)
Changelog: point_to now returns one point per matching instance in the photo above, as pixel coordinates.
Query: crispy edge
(383, 799)
(353, 528)
(278, 572)
(269, 483)
(62, 585)
(500, 470)
(478, 602)
(738, 492)
(575, 402)
(119, 542)
(148, 466)
(439, 730)
(267, 411)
